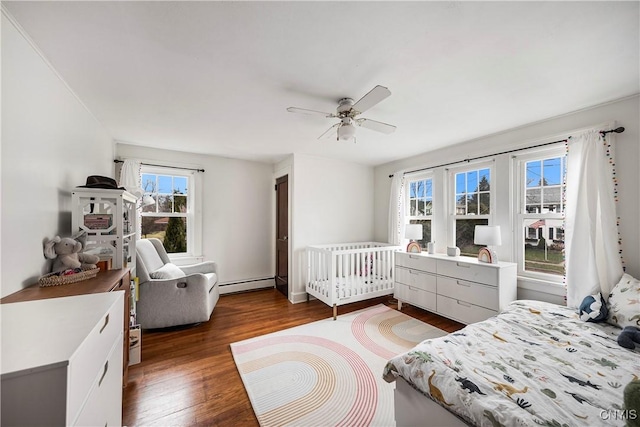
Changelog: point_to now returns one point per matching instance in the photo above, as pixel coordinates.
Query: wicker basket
(53, 279)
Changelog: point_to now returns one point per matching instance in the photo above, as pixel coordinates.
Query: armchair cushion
(167, 271)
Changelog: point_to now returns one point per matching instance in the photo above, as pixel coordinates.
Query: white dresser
(460, 288)
(62, 361)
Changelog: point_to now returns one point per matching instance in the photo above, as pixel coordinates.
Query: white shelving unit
(110, 219)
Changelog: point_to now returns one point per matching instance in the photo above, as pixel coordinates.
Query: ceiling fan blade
(375, 125)
(374, 96)
(305, 111)
(329, 132)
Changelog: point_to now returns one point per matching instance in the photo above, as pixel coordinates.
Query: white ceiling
(217, 77)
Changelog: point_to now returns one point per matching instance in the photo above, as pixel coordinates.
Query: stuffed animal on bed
(593, 308)
(66, 254)
(629, 336)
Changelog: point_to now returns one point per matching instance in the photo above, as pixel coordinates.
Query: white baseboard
(297, 297)
(246, 285)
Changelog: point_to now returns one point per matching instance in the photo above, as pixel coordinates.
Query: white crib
(349, 272)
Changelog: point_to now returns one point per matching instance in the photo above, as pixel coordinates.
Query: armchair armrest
(203, 267)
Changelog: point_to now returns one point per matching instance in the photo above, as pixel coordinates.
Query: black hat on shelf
(97, 181)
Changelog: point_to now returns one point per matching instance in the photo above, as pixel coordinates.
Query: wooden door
(282, 238)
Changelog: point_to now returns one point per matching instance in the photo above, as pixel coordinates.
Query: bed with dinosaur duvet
(534, 364)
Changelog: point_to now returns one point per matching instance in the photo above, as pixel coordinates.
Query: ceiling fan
(348, 110)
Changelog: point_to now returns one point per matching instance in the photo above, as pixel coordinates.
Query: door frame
(278, 174)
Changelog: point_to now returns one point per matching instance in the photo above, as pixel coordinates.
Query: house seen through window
(168, 219)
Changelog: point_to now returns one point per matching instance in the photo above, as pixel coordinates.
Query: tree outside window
(472, 207)
(420, 207)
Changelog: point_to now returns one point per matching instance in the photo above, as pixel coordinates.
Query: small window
(473, 199)
(169, 217)
(420, 206)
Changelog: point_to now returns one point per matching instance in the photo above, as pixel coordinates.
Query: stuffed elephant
(66, 253)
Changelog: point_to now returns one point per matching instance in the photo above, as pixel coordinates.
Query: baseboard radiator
(247, 285)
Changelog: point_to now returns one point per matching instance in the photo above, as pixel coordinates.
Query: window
(541, 208)
(420, 206)
(170, 217)
(472, 206)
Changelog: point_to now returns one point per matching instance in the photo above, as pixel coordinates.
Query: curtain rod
(602, 132)
(162, 166)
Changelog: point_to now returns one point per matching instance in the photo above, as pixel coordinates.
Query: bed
(349, 272)
(534, 364)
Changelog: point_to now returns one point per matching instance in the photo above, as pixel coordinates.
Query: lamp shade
(147, 200)
(488, 235)
(413, 231)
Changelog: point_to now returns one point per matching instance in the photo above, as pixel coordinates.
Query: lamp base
(414, 247)
(488, 255)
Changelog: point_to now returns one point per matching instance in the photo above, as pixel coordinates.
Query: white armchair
(170, 295)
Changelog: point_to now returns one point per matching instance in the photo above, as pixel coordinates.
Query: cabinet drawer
(462, 311)
(416, 278)
(103, 405)
(414, 296)
(487, 274)
(89, 359)
(470, 292)
(419, 262)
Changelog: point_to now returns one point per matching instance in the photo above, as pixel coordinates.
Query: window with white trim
(170, 217)
(540, 214)
(472, 204)
(420, 205)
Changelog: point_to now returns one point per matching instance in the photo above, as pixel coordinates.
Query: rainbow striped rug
(328, 373)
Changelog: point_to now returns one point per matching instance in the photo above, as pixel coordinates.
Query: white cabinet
(460, 288)
(110, 219)
(62, 361)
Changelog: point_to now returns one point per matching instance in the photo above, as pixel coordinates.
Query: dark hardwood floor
(188, 377)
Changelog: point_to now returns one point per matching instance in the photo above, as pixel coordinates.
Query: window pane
(426, 231)
(465, 229)
(544, 254)
(412, 190)
(420, 189)
(148, 182)
(533, 200)
(165, 203)
(534, 173)
(461, 205)
(171, 231)
(485, 180)
(551, 199)
(460, 184)
(428, 207)
(472, 204)
(429, 188)
(165, 184)
(484, 204)
(180, 185)
(413, 208)
(472, 181)
(180, 204)
(552, 172)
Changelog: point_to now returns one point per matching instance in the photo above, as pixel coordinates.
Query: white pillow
(167, 271)
(624, 302)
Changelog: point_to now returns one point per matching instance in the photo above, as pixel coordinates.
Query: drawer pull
(414, 272)
(466, 285)
(463, 304)
(106, 368)
(106, 322)
(463, 265)
(414, 257)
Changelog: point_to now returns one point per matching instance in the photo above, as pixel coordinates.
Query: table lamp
(413, 232)
(488, 235)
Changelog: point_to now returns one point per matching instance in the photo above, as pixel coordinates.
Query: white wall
(624, 112)
(237, 214)
(50, 144)
(331, 203)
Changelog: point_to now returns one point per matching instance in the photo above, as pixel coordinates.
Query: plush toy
(66, 253)
(629, 336)
(593, 308)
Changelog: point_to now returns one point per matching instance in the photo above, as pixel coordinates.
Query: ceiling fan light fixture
(346, 131)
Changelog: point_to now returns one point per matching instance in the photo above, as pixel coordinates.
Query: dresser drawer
(462, 311)
(470, 292)
(475, 272)
(103, 405)
(89, 359)
(415, 296)
(415, 261)
(416, 278)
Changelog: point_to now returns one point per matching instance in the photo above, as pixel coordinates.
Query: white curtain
(592, 259)
(130, 177)
(396, 209)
